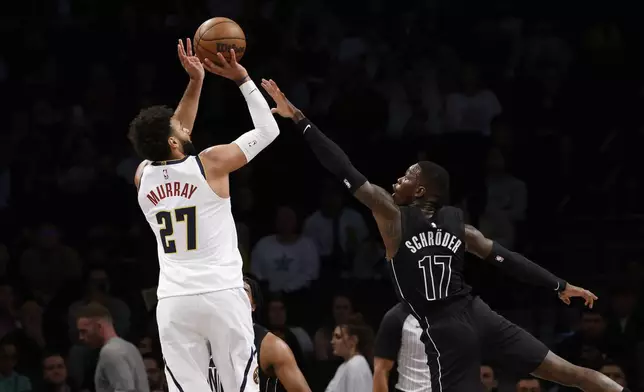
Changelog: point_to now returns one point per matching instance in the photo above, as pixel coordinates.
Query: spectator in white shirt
(336, 231)
(473, 108)
(353, 342)
(286, 260)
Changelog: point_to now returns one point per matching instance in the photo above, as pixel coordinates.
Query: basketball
(219, 35)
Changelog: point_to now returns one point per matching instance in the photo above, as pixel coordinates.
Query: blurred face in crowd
(98, 282)
(155, 375)
(277, 314)
(342, 309)
(487, 378)
(90, 332)
(532, 385)
(342, 343)
(285, 221)
(54, 370)
(615, 373)
(145, 345)
(592, 325)
(31, 314)
(8, 357)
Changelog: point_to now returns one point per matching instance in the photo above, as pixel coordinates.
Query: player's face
(89, 332)
(407, 188)
(180, 139)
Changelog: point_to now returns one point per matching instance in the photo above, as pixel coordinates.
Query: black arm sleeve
(389, 335)
(331, 156)
(523, 269)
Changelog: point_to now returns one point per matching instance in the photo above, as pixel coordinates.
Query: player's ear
(174, 142)
(420, 192)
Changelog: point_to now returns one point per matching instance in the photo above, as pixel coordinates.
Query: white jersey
(195, 230)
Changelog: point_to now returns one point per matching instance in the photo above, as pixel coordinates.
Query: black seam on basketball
(220, 38)
(218, 23)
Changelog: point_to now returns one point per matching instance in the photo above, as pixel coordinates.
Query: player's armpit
(381, 369)
(277, 355)
(222, 159)
(386, 213)
(477, 243)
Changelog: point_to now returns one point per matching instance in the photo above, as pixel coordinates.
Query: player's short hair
(255, 291)
(94, 310)
(356, 326)
(149, 132)
(436, 179)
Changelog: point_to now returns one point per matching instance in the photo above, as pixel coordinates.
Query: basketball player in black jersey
(425, 242)
(278, 370)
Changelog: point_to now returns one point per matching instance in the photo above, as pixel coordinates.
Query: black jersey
(427, 271)
(267, 382)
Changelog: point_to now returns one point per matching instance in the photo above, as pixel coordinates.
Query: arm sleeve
(266, 130)
(389, 335)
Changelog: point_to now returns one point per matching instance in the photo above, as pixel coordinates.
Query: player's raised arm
(520, 267)
(337, 162)
(277, 355)
(227, 158)
(186, 111)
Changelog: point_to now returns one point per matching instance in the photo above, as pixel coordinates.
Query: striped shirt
(398, 340)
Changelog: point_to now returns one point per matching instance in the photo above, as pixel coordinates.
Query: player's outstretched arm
(226, 158)
(520, 267)
(277, 355)
(186, 111)
(335, 160)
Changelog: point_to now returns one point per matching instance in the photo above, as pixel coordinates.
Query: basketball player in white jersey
(185, 198)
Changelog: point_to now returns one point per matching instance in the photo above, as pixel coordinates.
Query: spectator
(156, 376)
(590, 345)
(295, 337)
(120, 365)
(528, 385)
(54, 374)
(287, 260)
(615, 372)
(8, 317)
(29, 339)
(337, 230)
(472, 109)
(342, 310)
(49, 263)
(10, 380)
(488, 378)
(506, 201)
(353, 343)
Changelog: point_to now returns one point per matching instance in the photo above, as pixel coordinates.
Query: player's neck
(427, 206)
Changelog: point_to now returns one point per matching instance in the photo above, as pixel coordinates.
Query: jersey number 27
(434, 270)
(185, 215)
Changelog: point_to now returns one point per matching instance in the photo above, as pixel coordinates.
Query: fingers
(274, 110)
(222, 61)
(189, 44)
(212, 67)
(181, 50)
(233, 58)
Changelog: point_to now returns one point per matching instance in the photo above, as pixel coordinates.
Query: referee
(398, 341)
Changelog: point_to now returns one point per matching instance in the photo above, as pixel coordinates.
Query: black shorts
(455, 340)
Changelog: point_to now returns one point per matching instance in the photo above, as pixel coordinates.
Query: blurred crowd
(534, 116)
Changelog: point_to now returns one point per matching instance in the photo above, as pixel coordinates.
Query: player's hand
(228, 69)
(189, 62)
(573, 291)
(284, 107)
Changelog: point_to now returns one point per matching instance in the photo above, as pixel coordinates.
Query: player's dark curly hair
(436, 179)
(149, 132)
(356, 326)
(256, 292)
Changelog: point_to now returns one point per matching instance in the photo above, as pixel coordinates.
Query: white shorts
(188, 323)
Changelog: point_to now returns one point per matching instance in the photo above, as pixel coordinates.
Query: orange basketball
(219, 35)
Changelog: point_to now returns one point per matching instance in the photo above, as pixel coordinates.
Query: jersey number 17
(434, 270)
(187, 215)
